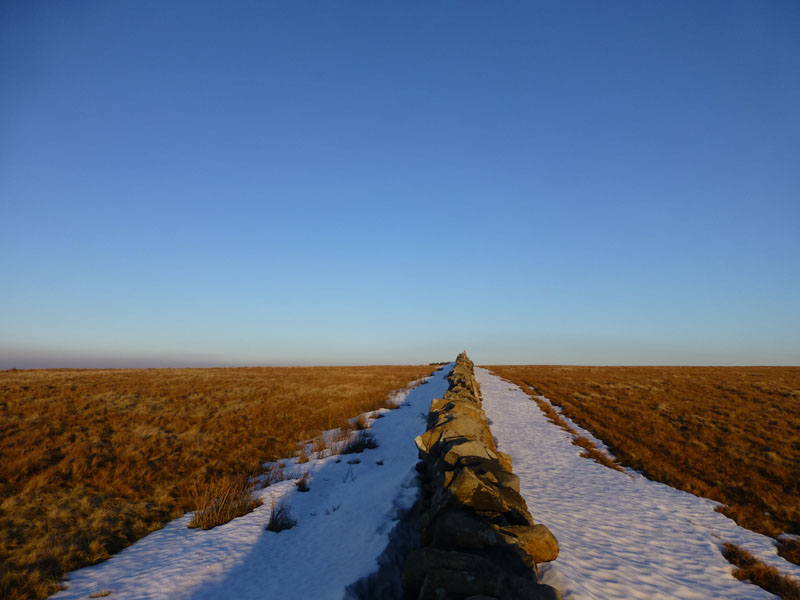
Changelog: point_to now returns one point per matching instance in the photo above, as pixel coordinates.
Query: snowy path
(621, 535)
(343, 524)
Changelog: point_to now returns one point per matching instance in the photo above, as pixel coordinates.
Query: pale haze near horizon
(192, 184)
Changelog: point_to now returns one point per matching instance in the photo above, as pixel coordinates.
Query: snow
(621, 535)
(342, 527)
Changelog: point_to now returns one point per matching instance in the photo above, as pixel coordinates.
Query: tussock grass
(304, 483)
(303, 456)
(221, 500)
(280, 518)
(92, 460)
(319, 446)
(726, 433)
(749, 568)
(361, 441)
(790, 550)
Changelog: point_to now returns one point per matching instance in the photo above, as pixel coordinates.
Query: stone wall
(478, 540)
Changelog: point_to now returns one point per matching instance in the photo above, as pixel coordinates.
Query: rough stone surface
(454, 427)
(478, 539)
(505, 460)
(537, 541)
(462, 530)
(469, 450)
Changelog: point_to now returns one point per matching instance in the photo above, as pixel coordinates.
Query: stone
(509, 480)
(479, 540)
(455, 428)
(420, 562)
(475, 492)
(461, 530)
(461, 409)
(537, 541)
(468, 449)
(443, 584)
(491, 467)
(441, 405)
(505, 460)
(518, 588)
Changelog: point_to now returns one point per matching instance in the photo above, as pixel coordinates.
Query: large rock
(537, 541)
(455, 428)
(481, 462)
(443, 584)
(441, 405)
(458, 529)
(482, 495)
(473, 411)
(422, 561)
(469, 450)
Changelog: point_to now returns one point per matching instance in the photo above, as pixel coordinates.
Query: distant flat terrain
(91, 460)
(731, 434)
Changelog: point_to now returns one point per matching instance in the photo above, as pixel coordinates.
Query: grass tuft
(303, 456)
(304, 483)
(280, 518)
(363, 440)
(789, 550)
(220, 501)
(749, 568)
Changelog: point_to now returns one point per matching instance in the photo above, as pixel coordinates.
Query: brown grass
(790, 550)
(280, 518)
(92, 460)
(221, 500)
(362, 440)
(726, 433)
(749, 568)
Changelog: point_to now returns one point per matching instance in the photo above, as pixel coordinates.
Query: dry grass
(304, 483)
(362, 440)
(221, 500)
(280, 518)
(91, 460)
(790, 550)
(726, 433)
(749, 568)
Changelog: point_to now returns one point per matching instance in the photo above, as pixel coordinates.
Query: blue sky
(193, 183)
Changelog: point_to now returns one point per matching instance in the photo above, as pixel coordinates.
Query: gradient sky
(194, 183)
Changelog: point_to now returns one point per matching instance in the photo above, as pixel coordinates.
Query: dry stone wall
(478, 540)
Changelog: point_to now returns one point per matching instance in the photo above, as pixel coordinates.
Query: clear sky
(194, 183)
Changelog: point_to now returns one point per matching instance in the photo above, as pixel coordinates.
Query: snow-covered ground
(342, 527)
(621, 535)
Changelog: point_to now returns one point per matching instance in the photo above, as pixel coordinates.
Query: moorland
(92, 460)
(731, 434)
